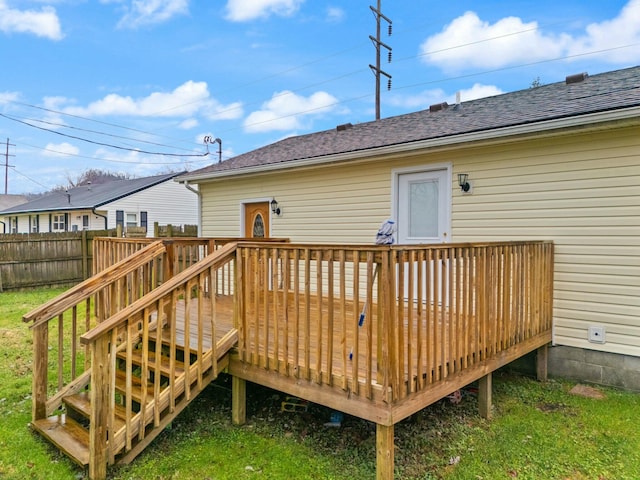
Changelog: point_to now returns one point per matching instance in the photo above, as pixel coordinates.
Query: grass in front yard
(538, 431)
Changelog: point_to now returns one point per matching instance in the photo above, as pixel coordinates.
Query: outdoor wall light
(274, 207)
(463, 181)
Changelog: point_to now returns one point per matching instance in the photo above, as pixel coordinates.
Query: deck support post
(484, 396)
(384, 452)
(542, 358)
(238, 400)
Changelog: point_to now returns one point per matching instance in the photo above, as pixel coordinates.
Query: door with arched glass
(256, 220)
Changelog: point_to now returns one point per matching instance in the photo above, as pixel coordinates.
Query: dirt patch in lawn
(587, 391)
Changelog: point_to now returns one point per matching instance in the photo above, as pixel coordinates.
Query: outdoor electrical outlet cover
(597, 334)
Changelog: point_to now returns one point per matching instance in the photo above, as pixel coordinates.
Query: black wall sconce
(275, 209)
(463, 181)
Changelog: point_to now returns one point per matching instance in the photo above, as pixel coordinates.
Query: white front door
(423, 206)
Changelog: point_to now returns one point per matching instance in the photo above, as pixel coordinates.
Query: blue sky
(135, 86)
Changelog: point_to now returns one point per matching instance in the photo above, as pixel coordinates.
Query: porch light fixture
(274, 207)
(463, 181)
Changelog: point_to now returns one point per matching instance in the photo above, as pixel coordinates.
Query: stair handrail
(214, 259)
(88, 288)
(116, 334)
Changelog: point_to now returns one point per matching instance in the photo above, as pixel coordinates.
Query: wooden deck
(375, 332)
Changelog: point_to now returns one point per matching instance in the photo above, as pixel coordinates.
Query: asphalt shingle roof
(598, 93)
(88, 196)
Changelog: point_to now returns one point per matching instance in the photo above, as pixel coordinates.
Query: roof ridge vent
(577, 78)
(344, 126)
(436, 107)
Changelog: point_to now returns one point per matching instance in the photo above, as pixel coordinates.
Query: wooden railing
(137, 337)
(379, 322)
(181, 253)
(389, 321)
(76, 311)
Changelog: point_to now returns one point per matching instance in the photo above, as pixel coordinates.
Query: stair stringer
(223, 348)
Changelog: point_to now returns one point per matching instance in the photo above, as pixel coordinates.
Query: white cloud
(437, 95)
(245, 10)
(42, 23)
(623, 30)
(60, 150)
(7, 97)
(189, 99)
(476, 91)
(151, 12)
(286, 111)
(469, 42)
(188, 124)
(335, 14)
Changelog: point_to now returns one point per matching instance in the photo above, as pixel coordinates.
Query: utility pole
(6, 167)
(377, 71)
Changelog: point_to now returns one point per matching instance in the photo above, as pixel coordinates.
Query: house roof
(88, 196)
(577, 96)
(7, 201)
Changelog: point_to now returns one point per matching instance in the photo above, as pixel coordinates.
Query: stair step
(165, 366)
(80, 403)
(66, 434)
(136, 386)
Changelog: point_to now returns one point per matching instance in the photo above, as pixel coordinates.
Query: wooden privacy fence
(46, 259)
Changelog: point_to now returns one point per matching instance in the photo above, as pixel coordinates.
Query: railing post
(100, 384)
(168, 270)
(39, 375)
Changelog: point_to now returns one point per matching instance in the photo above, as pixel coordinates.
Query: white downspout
(199, 195)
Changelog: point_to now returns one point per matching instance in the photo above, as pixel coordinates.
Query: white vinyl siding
(166, 203)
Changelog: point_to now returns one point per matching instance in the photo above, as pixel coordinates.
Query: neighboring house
(7, 201)
(557, 162)
(131, 203)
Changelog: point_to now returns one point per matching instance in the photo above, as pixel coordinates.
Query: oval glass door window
(258, 227)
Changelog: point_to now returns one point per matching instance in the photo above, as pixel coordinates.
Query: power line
(62, 125)
(102, 143)
(104, 159)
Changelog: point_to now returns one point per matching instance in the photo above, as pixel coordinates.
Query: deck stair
(136, 344)
(69, 429)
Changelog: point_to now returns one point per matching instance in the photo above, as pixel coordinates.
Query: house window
(132, 220)
(14, 225)
(34, 223)
(58, 224)
(85, 222)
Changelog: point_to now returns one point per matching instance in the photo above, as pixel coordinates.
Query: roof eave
(547, 127)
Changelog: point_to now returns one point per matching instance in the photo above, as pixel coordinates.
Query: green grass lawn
(538, 431)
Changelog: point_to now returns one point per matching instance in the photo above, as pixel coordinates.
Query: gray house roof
(7, 201)
(578, 95)
(88, 196)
